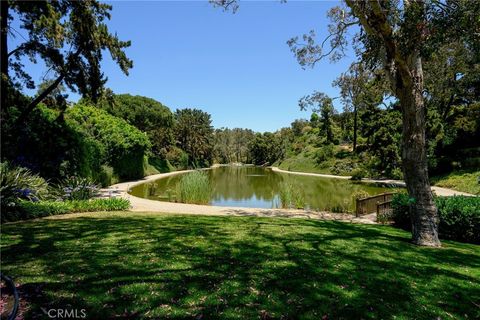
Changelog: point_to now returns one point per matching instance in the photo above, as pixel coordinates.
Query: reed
(291, 196)
(194, 188)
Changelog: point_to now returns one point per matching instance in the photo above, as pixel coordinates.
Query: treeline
(121, 137)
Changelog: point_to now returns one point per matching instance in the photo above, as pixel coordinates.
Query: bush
(32, 210)
(106, 177)
(177, 157)
(194, 188)
(17, 183)
(121, 146)
(358, 174)
(77, 188)
(55, 149)
(109, 204)
(324, 153)
(459, 216)
(291, 196)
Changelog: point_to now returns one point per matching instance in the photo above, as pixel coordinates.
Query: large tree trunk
(4, 53)
(29, 108)
(423, 211)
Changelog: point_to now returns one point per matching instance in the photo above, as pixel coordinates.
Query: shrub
(194, 188)
(358, 174)
(291, 196)
(122, 146)
(106, 177)
(77, 188)
(324, 153)
(31, 210)
(177, 157)
(55, 148)
(108, 204)
(459, 216)
(344, 166)
(18, 183)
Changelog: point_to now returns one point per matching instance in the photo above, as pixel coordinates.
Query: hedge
(459, 216)
(31, 210)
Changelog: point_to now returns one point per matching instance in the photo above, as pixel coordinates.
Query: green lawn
(132, 265)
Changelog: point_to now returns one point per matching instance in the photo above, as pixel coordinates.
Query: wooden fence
(379, 204)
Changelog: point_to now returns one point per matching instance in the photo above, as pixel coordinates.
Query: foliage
(232, 145)
(106, 177)
(194, 188)
(267, 148)
(324, 153)
(194, 135)
(33, 210)
(464, 181)
(259, 267)
(459, 216)
(70, 38)
(120, 145)
(47, 145)
(17, 183)
(360, 194)
(77, 188)
(323, 104)
(146, 114)
(107, 204)
(358, 174)
(291, 196)
(157, 165)
(177, 158)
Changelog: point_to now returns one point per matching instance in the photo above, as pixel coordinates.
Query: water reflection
(259, 188)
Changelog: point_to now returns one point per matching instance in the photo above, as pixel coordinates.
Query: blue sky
(237, 67)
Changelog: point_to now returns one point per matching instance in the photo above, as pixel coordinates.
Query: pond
(258, 187)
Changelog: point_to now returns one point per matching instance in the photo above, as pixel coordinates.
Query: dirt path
(141, 204)
(438, 190)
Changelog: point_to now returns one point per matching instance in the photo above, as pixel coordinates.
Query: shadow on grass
(187, 267)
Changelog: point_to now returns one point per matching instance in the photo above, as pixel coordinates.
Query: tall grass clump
(291, 196)
(194, 188)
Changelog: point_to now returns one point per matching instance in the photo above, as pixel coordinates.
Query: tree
(69, 36)
(194, 134)
(323, 104)
(147, 114)
(452, 99)
(266, 148)
(396, 36)
(358, 88)
(232, 145)
(57, 98)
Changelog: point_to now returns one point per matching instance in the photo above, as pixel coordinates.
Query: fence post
(357, 207)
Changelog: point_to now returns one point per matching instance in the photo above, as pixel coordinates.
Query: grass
(141, 265)
(341, 163)
(194, 188)
(302, 163)
(459, 180)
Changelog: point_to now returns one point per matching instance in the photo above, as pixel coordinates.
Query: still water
(258, 187)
